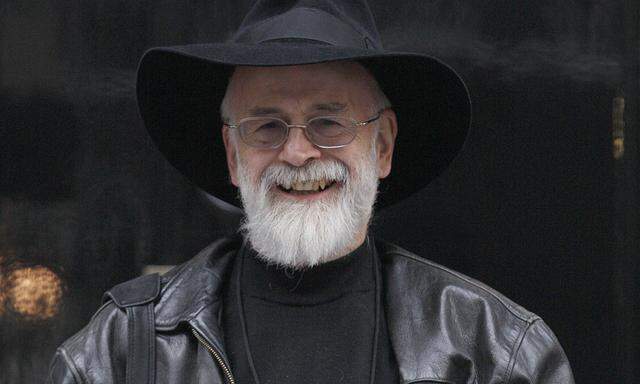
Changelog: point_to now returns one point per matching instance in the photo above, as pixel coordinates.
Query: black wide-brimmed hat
(180, 89)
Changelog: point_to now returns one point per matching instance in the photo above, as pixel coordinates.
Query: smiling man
(309, 147)
(308, 142)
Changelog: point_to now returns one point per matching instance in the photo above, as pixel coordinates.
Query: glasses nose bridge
(303, 127)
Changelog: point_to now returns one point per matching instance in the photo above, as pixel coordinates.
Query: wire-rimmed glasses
(322, 131)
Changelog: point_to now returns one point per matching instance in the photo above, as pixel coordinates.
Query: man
(306, 131)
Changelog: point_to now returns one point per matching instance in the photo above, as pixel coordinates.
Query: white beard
(300, 234)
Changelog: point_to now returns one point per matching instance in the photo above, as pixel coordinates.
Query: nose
(297, 150)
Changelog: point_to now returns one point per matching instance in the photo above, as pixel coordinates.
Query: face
(306, 205)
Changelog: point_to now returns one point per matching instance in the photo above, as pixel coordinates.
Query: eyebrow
(333, 107)
(329, 107)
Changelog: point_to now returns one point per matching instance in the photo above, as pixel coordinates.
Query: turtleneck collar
(326, 282)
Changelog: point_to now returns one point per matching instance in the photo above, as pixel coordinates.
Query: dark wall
(535, 206)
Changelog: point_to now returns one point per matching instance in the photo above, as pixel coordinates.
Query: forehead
(301, 86)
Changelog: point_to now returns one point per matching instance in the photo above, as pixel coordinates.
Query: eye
(260, 126)
(327, 121)
(262, 132)
(270, 125)
(328, 126)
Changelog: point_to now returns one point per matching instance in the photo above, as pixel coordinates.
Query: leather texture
(444, 328)
(141, 351)
(136, 297)
(138, 291)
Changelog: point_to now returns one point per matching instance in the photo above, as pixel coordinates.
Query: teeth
(310, 185)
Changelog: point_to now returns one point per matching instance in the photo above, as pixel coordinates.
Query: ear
(230, 149)
(387, 133)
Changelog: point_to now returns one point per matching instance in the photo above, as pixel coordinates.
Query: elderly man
(304, 294)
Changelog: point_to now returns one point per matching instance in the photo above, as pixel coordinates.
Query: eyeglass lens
(322, 131)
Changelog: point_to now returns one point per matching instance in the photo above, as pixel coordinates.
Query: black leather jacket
(444, 328)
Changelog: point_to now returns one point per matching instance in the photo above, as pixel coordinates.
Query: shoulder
(421, 274)
(92, 355)
(433, 308)
(97, 352)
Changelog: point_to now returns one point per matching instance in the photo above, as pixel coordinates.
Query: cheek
(356, 155)
(353, 163)
(254, 164)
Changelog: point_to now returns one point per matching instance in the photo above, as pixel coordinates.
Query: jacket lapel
(423, 326)
(192, 293)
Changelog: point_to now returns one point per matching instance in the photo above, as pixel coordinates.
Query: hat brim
(180, 89)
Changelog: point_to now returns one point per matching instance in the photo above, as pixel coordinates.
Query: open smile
(308, 190)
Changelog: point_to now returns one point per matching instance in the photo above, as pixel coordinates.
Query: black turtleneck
(311, 326)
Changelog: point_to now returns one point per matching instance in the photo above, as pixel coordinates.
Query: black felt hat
(180, 89)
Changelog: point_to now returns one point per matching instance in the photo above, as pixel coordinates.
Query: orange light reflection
(34, 292)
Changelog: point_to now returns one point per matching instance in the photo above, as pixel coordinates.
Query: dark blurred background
(542, 204)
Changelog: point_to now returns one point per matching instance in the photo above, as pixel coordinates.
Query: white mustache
(284, 174)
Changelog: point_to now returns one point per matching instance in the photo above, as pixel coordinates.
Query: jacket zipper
(216, 356)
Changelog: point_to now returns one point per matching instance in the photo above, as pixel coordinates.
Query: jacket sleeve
(61, 371)
(540, 359)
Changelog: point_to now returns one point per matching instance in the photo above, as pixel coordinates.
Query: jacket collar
(192, 293)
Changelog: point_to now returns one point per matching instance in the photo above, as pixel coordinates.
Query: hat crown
(339, 23)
